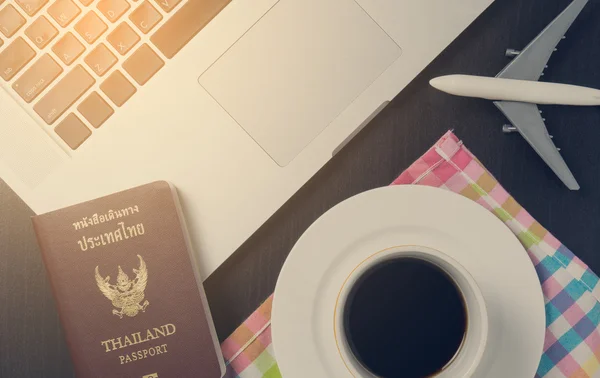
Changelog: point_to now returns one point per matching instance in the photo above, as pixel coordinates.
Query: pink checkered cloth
(571, 290)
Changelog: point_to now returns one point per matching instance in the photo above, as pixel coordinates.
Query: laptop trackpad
(297, 69)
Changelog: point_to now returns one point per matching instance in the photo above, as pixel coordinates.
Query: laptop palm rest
(24, 148)
(297, 69)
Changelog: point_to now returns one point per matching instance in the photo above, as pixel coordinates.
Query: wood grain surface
(31, 343)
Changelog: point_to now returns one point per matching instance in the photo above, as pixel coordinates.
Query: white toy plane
(516, 91)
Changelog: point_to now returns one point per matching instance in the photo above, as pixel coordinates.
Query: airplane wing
(531, 62)
(528, 121)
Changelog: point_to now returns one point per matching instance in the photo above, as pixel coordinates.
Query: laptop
(235, 102)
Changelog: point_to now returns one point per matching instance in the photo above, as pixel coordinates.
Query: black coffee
(405, 318)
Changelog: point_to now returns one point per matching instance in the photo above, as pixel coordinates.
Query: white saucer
(304, 301)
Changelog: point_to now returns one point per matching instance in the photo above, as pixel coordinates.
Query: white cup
(469, 356)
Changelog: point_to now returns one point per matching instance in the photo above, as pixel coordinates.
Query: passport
(127, 287)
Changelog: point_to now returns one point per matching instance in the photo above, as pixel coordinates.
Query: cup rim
(380, 256)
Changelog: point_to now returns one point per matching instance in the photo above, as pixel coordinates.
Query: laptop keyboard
(76, 62)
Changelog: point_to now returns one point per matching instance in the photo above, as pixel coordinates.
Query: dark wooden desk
(31, 344)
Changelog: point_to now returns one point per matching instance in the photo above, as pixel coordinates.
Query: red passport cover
(130, 299)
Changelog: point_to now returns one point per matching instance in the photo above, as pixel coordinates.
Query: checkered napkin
(571, 290)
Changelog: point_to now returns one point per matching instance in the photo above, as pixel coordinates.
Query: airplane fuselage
(535, 92)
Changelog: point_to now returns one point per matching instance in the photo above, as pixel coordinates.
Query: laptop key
(66, 91)
(10, 21)
(113, 9)
(100, 60)
(68, 48)
(72, 131)
(143, 64)
(185, 23)
(123, 38)
(14, 57)
(95, 110)
(63, 11)
(31, 7)
(167, 5)
(90, 27)
(118, 88)
(145, 17)
(37, 78)
(85, 3)
(41, 32)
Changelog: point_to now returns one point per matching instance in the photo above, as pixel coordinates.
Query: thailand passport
(127, 287)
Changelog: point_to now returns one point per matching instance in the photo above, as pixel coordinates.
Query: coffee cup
(411, 311)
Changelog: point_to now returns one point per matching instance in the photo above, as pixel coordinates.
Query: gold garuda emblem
(127, 294)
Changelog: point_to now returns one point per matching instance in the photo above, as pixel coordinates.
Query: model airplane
(516, 91)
